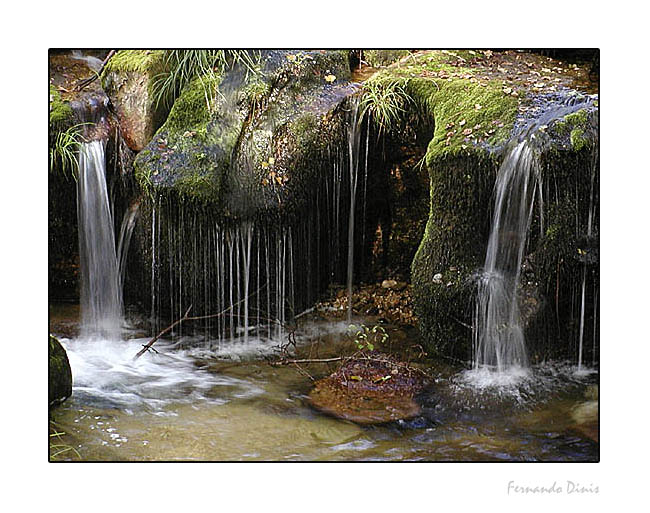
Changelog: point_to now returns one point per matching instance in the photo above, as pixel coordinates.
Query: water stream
(101, 296)
(498, 335)
(190, 403)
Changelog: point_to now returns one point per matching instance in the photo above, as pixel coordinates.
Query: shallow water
(185, 403)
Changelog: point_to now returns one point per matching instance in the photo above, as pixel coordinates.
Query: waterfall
(101, 298)
(126, 231)
(354, 136)
(498, 335)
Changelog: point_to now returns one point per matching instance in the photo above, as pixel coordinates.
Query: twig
(186, 317)
(148, 345)
(308, 360)
(86, 82)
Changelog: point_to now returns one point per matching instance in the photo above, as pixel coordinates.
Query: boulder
(251, 143)
(476, 102)
(59, 372)
(128, 80)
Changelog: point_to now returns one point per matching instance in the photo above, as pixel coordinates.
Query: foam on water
(105, 374)
(519, 385)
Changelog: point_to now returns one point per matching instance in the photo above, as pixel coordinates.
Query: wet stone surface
(370, 389)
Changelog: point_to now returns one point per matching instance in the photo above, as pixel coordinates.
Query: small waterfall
(126, 231)
(101, 298)
(354, 136)
(590, 226)
(498, 335)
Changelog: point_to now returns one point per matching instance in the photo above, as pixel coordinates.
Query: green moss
(141, 61)
(59, 373)
(578, 119)
(60, 111)
(465, 110)
(578, 139)
(193, 108)
(576, 127)
(197, 186)
(379, 58)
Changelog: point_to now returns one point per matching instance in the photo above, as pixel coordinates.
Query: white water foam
(105, 373)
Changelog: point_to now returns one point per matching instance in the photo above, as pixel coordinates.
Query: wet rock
(463, 165)
(59, 373)
(128, 82)
(585, 415)
(247, 143)
(370, 389)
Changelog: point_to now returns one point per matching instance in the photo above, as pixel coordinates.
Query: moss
(192, 149)
(379, 58)
(193, 108)
(141, 61)
(197, 186)
(578, 139)
(467, 112)
(59, 373)
(578, 119)
(60, 111)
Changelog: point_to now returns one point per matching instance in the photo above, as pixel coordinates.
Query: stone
(128, 82)
(389, 284)
(373, 389)
(59, 373)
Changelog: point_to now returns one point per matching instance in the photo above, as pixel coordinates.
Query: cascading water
(354, 136)
(101, 298)
(498, 335)
(126, 231)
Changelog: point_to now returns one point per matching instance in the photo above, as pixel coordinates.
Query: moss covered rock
(475, 101)
(128, 80)
(59, 372)
(241, 140)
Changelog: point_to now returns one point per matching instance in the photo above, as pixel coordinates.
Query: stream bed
(227, 403)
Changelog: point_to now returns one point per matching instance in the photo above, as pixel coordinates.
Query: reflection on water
(184, 404)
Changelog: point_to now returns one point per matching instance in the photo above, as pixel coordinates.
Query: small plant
(384, 101)
(366, 338)
(57, 448)
(65, 150)
(185, 65)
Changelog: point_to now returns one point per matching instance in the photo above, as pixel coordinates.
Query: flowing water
(100, 296)
(186, 402)
(499, 339)
(354, 137)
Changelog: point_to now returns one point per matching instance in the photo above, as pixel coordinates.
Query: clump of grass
(65, 149)
(384, 101)
(57, 446)
(183, 66)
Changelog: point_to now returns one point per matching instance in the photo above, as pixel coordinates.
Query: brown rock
(371, 389)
